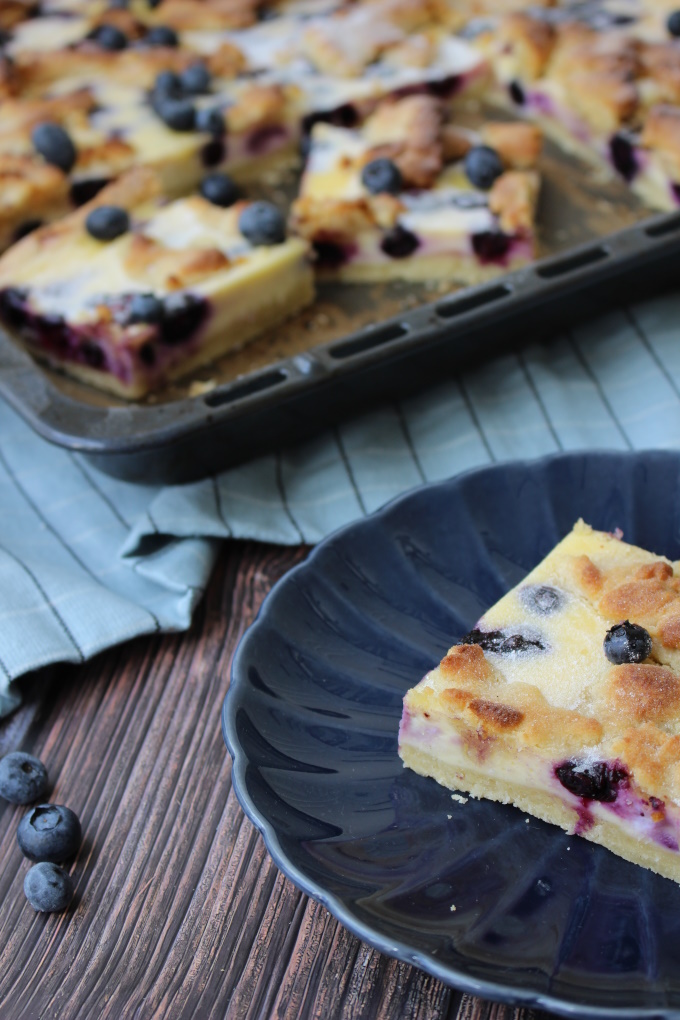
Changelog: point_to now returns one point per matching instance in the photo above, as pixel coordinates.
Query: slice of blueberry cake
(603, 84)
(412, 195)
(564, 700)
(131, 290)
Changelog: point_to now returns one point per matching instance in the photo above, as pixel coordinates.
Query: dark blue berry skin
(145, 308)
(627, 642)
(261, 223)
(482, 165)
(48, 888)
(119, 5)
(109, 37)
(500, 642)
(195, 79)
(673, 24)
(177, 114)
(23, 778)
(167, 85)
(541, 599)
(54, 145)
(49, 832)
(161, 35)
(597, 781)
(107, 222)
(211, 121)
(382, 175)
(220, 190)
(183, 315)
(398, 242)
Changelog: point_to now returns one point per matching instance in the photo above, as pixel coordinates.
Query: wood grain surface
(179, 911)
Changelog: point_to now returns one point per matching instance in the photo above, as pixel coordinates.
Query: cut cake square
(529, 708)
(207, 289)
(434, 222)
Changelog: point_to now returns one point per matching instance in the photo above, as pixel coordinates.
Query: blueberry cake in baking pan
(564, 700)
(369, 91)
(412, 195)
(131, 290)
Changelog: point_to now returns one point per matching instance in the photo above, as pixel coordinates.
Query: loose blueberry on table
(48, 888)
(49, 832)
(23, 778)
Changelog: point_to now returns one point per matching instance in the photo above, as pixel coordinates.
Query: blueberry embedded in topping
(211, 121)
(54, 145)
(107, 222)
(595, 781)
(23, 778)
(490, 245)
(214, 152)
(153, 3)
(623, 156)
(119, 5)
(330, 254)
(398, 242)
(167, 85)
(91, 354)
(161, 35)
(145, 308)
(183, 314)
(49, 832)
(195, 79)
(84, 191)
(382, 175)
(673, 24)
(262, 223)
(627, 642)
(177, 114)
(220, 189)
(48, 888)
(541, 598)
(500, 642)
(517, 93)
(483, 165)
(108, 37)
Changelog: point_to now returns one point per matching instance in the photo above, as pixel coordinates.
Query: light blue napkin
(87, 561)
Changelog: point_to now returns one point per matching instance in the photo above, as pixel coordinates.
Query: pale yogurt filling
(647, 818)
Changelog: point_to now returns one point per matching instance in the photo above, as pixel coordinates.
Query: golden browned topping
(662, 129)
(528, 42)
(170, 268)
(332, 220)
(586, 574)
(227, 61)
(495, 716)
(455, 143)
(467, 660)
(26, 183)
(409, 133)
(258, 105)
(643, 691)
(518, 144)
(188, 15)
(513, 199)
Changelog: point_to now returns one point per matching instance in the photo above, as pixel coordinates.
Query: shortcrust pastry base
(542, 804)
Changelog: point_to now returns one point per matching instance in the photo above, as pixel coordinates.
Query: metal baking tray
(360, 344)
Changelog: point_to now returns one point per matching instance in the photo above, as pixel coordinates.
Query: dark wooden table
(179, 910)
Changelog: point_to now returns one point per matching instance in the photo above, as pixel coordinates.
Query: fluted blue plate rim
(615, 467)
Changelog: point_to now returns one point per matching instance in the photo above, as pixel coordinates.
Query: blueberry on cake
(130, 290)
(564, 700)
(411, 195)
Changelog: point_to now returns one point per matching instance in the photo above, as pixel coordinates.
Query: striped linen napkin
(88, 561)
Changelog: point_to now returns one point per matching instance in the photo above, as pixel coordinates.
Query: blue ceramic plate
(542, 918)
